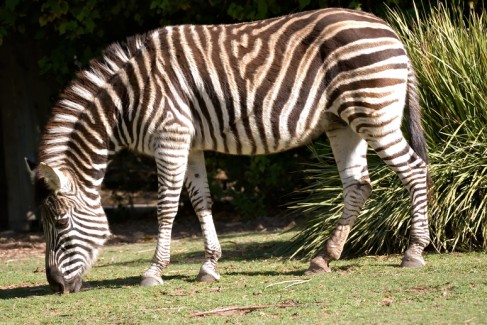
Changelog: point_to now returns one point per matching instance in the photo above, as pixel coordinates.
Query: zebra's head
(75, 226)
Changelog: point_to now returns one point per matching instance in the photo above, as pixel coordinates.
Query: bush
(449, 51)
(256, 185)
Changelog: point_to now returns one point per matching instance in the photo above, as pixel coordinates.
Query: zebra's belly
(255, 141)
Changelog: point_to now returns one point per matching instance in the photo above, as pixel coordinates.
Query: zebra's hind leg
(197, 186)
(412, 170)
(350, 151)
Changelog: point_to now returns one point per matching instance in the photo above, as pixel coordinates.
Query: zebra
(250, 88)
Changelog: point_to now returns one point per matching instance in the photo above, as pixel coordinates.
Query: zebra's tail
(413, 121)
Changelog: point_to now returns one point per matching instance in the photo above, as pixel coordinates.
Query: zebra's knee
(214, 254)
(366, 188)
(361, 187)
(217, 254)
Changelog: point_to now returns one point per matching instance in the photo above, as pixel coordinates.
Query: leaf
(303, 3)
(11, 4)
(387, 301)
(262, 8)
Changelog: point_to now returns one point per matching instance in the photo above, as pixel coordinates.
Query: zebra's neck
(92, 118)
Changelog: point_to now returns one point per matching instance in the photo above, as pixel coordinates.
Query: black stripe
(360, 84)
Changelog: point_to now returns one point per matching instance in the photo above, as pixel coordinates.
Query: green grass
(452, 288)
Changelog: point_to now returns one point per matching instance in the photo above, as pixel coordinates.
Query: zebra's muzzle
(58, 284)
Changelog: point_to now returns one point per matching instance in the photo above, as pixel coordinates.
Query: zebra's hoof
(318, 265)
(150, 281)
(208, 278)
(410, 261)
(207, 274)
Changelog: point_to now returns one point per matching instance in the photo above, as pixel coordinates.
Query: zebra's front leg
(197, 186)
(171, 160)
(350, 152)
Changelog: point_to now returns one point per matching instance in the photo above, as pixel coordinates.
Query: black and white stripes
(251, 88)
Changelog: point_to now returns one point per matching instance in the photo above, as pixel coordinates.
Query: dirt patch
(140, 225)
(17, 245)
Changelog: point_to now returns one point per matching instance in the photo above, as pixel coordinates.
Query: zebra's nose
(55, 279)
(58, 284)
(74, 285)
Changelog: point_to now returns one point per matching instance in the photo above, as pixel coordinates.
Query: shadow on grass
(264, 273)
(236, 251)
(24, 292)
(116, 283)
(43, 290)
(132, 281)
(135, 262)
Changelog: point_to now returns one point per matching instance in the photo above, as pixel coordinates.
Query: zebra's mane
(114, 58)
(79, 96)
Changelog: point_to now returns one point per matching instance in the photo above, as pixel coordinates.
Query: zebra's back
(264, 87)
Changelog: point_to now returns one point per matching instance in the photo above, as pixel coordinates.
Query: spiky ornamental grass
(449, 51)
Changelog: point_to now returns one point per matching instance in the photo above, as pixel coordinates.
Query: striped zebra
(245, 89)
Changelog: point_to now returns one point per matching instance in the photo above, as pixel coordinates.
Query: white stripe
(82, 92)
(95, 78)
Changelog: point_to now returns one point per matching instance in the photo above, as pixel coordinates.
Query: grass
(261, 288)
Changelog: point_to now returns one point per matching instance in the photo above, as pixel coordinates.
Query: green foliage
(452, 73)
(449, 51)
(73, 32)
(256, 186)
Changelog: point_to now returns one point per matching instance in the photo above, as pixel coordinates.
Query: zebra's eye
(62, 223)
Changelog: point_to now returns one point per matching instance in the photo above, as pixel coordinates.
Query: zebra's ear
(31, 169)
(54, 178)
